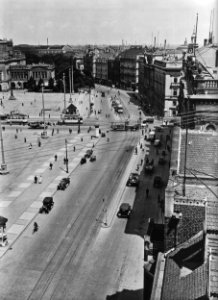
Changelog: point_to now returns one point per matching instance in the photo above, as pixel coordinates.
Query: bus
(17, 118)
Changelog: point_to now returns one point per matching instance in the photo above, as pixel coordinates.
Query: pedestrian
(24, 140)
(35, 179)
(52, 133)
(35, 227)
(141, 162)
(56, 157)
(50, 166)
(147, 193)
(74, 148)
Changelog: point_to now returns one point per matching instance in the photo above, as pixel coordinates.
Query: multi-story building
(15, 73)
(162, 73)
(129, 68)
(187, 268)
(8, 58)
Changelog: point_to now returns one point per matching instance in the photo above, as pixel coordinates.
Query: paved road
(73, 248)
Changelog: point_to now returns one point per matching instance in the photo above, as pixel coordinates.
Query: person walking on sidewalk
(147, 192)
(50, 166)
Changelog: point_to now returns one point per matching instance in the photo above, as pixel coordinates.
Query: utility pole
(44, 133)
(3, 169)
(64, 92)
(70, 100)
(72, 78)
(67, 171)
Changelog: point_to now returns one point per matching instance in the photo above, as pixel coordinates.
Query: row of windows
(40, 75)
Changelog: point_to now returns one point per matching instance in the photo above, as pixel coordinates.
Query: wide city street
(81, 249)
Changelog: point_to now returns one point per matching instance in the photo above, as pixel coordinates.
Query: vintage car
(63, 183)
(83, 160)
(93, 158)
(88, 153)
(47, 205)
(124, 210)
(133, 179)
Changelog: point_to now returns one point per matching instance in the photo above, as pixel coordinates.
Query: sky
(105, 21)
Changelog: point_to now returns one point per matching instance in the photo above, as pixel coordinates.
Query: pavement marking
(36, 204)
(41, 170)
(16, 229)
(51, 186)
(22, 221)
(58, 178)
(81, 153)
(15, 193)
(76, 159)
(45, 164)
(44, 194)
(5, 203)
(27, 215)
(73, 164)
(24, 184)
(59, 153)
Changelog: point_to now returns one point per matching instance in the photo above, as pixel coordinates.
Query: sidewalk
(22, 204)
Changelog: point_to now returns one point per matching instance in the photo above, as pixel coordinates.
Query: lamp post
(64, 92)
(3, 170)
(66, 159)
(70, 100)
(44, 133)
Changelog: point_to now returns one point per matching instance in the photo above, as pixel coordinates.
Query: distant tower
(210, 40)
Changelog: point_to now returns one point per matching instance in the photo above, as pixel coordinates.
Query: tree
(51, 83)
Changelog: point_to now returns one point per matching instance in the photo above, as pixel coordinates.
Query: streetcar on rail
(17, 119)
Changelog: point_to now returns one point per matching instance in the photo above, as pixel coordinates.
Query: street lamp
(44, 133)
(64, 83)
(66, 159)
(3, 170)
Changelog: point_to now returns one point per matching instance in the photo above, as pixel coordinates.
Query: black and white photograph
(108, 150)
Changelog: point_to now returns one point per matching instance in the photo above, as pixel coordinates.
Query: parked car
(88, 153)
(63, 183)
(47, 205)
(158, 182)
(83, 160)
(133, 179)
(124, 210)
(93, 157)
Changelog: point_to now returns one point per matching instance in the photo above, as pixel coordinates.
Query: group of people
(37, 179)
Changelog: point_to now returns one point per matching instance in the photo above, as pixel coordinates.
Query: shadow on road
(150, 206)
(126, 295)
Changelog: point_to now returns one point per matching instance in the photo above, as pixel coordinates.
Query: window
(175, 79)
(174, 103)
(174, 93)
